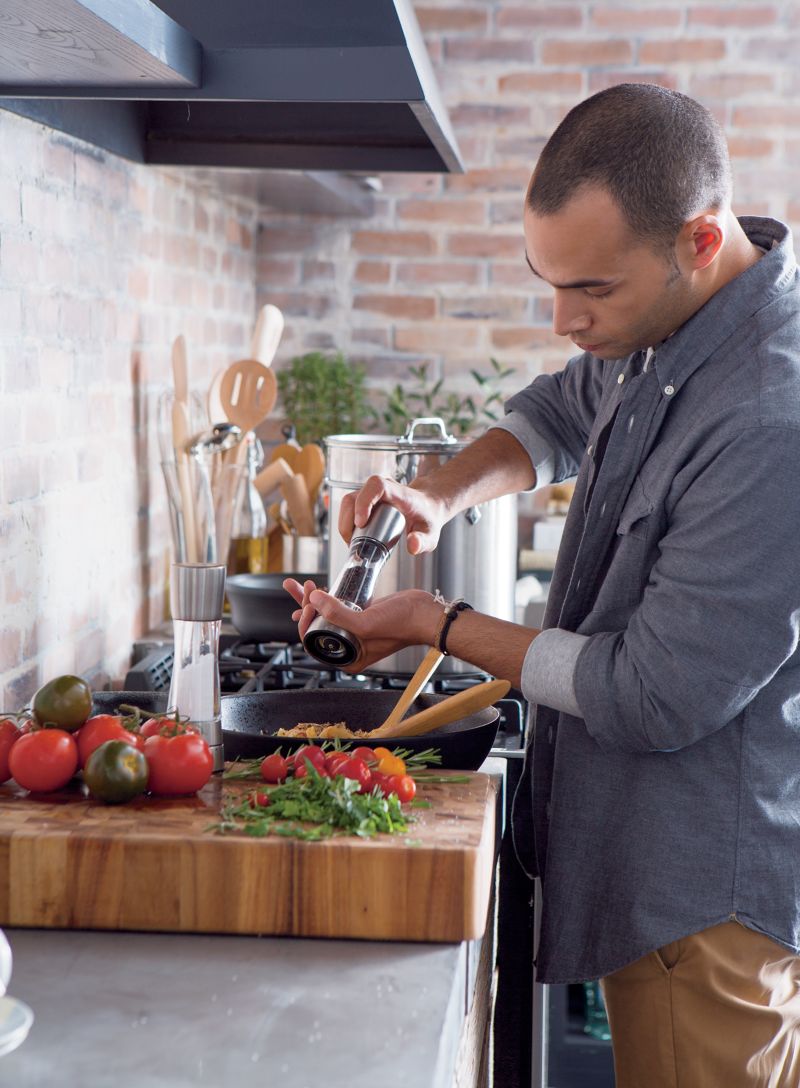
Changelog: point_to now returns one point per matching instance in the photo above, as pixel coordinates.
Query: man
(664, 770)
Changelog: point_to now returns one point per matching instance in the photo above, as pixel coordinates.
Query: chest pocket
(634, 519)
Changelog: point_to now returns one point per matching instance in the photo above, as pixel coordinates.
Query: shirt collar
(677, 358)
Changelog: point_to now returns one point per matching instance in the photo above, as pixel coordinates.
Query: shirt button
(589, 450)
(630, 423)
(603, 509)
(669, 390)
(620, 379)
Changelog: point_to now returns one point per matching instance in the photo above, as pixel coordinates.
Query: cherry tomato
(367, 754)
(392, 765)
(98, 730)
(9, 735)
(44, 760)
(312, 752)
(165, 726)
(275, 768)
(179, 764)
(334, 760)
(259, 800)
(359, 771)
(381, 781)
(302, 770)
(404, 786)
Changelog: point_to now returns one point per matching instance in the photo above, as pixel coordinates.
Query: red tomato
(367, 754)
(179, 764)
(359, 771)
(275, 768)
(165, 726)
(9, 735)
(311, 752)
(302, 770)
(381, 781)
(334, 760)
(404, 786)
(259, 800)
(102, 727)
(44, 760)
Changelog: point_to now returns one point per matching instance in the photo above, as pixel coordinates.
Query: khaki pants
(718, 1009)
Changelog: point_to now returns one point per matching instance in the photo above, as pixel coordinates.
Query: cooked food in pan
(322, 731)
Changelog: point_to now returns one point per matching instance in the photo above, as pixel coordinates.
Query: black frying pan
(250, 721)
(261, 609)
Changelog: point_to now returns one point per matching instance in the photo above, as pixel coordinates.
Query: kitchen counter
(140, 1010)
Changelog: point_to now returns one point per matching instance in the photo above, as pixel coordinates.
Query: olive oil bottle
(249, 526)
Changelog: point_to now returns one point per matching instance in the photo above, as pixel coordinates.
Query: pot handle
(428, 421)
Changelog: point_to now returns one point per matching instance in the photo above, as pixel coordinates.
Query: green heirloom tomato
(65, 702)
(116, 772)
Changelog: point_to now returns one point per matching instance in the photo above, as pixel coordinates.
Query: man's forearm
(494, 464)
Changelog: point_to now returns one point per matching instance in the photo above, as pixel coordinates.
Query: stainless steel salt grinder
(196, 596)
(370, 547)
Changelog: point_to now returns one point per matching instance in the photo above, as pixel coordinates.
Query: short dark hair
(659, 154)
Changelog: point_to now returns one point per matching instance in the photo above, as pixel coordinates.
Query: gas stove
(246, 666)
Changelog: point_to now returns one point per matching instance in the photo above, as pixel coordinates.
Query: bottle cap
(197, 591)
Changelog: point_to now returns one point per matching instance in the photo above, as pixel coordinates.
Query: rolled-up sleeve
(720, 613)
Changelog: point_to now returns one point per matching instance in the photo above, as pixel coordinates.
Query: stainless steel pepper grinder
(370, 547)
(197, 592)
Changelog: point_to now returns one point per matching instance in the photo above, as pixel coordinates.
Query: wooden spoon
(181, 433)
(267, 334)
(448, 710)
(310, 463)
(425, 671)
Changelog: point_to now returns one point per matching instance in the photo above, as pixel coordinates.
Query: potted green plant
(321, 395)
(462, 413)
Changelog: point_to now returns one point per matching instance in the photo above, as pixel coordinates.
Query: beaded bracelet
(448, 616)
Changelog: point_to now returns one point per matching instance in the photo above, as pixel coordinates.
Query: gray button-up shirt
(666, 774)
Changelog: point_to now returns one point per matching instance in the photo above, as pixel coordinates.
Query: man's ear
(701, 240)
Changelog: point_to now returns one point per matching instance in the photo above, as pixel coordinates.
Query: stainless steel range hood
(342, 85)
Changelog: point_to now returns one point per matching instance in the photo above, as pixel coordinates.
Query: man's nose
(569, 315)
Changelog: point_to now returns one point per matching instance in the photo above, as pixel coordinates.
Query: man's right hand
(425, 515)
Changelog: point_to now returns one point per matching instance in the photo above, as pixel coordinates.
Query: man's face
(614, 293)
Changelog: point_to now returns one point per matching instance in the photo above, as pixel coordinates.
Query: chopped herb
(332, 806)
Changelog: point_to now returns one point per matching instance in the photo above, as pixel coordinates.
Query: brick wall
(437, 275)
(102, 264)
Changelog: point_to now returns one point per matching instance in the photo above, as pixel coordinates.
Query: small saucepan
(261, 609)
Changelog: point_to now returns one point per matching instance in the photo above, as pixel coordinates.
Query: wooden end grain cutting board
(70, 862)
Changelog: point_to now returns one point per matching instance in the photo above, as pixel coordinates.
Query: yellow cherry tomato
(392, 765)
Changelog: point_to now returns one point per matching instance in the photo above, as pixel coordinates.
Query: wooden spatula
(425, 671)
(247, 393)
(449, 710)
